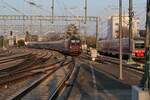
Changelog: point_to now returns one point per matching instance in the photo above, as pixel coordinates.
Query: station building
(113, 26)
(9, 39)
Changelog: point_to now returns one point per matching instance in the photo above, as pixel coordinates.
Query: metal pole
(31, 27)
(130, 30)
(40, 26)
(4, 43)
(4, 25)
(79, 25)
(52, 11)
(97, 31)
(146, 77)
(120, 37)
(23, 24)
(85, 12)
(85, 19)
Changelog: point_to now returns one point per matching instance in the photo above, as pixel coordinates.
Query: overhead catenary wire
(12, 7)
(32, 3)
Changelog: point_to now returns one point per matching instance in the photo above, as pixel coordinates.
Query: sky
(95, 7)
(102, 8)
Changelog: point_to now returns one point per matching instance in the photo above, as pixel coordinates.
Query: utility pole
(31, 24)
(146, 77)
(52, 11)
(97, 31)
(79, 25)
(4, 47)
(120, 37)
(85, 12)
(23, 24)
(40, 26)
(85, 19)
(131, 14)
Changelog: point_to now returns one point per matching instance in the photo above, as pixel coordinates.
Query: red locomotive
(74, 46)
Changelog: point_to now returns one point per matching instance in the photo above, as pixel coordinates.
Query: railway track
(11, 51)
(62, 84)
(30, 58)
(24, 72)
(14, 57)
(5, 53)
(56, 68)
(131, 76)
(9, 79)
(137, 67)
(15, 54)
(137, 62)
(19, 81)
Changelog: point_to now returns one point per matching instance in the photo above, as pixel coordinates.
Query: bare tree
(71, 30)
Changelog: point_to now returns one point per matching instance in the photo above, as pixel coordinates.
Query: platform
(139, 94)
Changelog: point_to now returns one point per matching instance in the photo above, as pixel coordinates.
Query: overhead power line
(32, 3)
(13, 8)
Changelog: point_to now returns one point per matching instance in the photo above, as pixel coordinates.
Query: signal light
(142, 55)
(139, 51)
(138, 55)
(136, 51)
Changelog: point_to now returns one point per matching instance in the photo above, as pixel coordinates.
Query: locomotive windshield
(75, 41)
(139, 45)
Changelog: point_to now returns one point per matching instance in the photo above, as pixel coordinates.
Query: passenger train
(111, 47)
(71, 46)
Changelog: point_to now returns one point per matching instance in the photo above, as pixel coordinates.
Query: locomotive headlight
(93, 59)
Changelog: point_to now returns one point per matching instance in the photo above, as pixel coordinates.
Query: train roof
(51, 42)
(123, 39)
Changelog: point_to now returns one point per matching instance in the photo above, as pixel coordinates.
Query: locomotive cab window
(139, 45)
(73, 41)
(77, 41)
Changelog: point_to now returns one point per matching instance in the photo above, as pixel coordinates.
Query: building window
(117, 24)
(117, 31)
